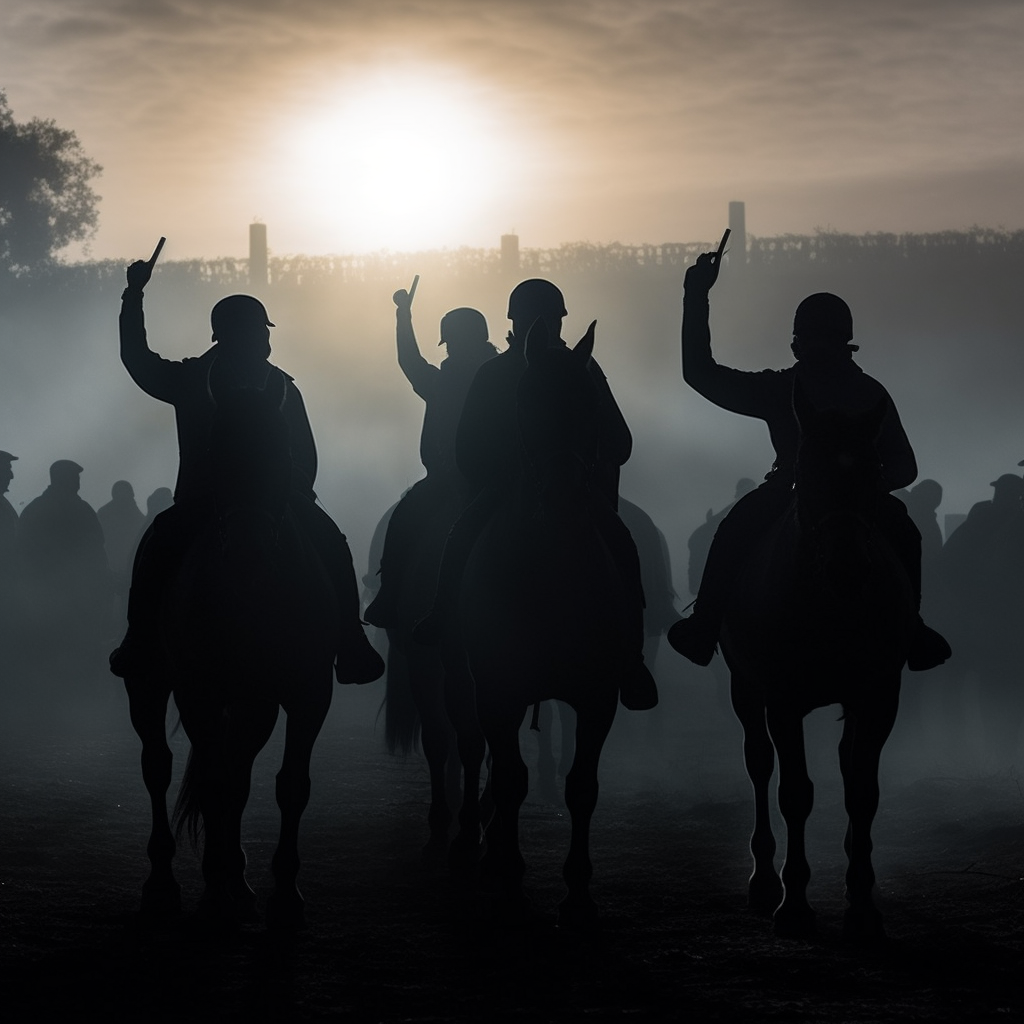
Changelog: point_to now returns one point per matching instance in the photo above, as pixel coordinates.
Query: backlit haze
(410, 125)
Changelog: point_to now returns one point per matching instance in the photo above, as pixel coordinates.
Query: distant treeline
(943, 248)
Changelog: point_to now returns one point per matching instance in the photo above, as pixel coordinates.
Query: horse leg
(567, 722)
(205, 786)
(249, 726)
(793, 918)
(464, 852)
(503, 867)
(147, 705)
(546, 787)
(285, 908)
(860, 750)
(593, 723)
(427, 684)
(764, 889)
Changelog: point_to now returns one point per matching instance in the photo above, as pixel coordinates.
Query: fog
(941, 330)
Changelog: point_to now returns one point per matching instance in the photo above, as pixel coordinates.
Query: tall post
(738, 238)
(258, 263)
(510, 254)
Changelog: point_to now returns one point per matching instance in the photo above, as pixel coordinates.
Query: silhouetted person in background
(8, 517)
(443, 388)
(122, 521)
(828, 376)
(61, 550)
(700, 540)
(239, 357)
(922, 501)
(975, 554)
(162, 498)
(660, 610)
(8, 538)
(488, 453)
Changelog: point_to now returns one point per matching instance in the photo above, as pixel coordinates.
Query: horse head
(557, 414)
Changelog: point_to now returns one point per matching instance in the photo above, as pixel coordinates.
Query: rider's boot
(136, 654)
(357, 661)
(696, 636)
(928, 648)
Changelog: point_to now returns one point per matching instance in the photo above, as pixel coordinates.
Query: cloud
(614, 104)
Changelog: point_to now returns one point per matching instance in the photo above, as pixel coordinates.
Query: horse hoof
(577, 915)
(464, 855)
(864, 927)
(230, 908)
(286, 914)
(794, 924)
(434, 851)
(506, 910)
(764, 893)
(161, 901)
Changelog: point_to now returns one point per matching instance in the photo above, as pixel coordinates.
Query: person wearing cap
(828, 376)
(443, 388)
(8, 521)
(61, 548)
(239, 355)
(488, 453)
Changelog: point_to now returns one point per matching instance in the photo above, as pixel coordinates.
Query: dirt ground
(391, 939)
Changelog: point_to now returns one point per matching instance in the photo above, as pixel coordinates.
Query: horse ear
(802, 408)
(584, 348)
(536, 340)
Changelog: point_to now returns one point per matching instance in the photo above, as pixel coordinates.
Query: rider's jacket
(185, 385)
(443, 388)
(838, 384)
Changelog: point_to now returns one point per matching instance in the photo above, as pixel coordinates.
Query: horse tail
(187, 815)
(401, 718)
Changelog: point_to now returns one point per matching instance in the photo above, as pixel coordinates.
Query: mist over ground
(942, 329)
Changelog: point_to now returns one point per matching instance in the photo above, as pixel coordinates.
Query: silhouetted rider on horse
(238, 358)
(443, 388)
(830, 379)
(488, 453)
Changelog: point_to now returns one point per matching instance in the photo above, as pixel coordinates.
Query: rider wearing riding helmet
(488, 452)
(829, 379)
(238, 357)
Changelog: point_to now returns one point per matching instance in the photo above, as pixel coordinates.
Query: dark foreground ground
(389, 939)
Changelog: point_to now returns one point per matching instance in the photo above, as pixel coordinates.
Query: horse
(248, 626)
(544, 614)
(659, 614)
(428, 695)
(822, 616)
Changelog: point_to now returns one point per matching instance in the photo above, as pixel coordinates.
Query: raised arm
(418, 372)
(155, 375)
(739, 391)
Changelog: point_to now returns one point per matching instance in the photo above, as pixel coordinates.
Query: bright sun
(402, 164)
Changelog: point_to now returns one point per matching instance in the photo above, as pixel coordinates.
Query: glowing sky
(415, 124)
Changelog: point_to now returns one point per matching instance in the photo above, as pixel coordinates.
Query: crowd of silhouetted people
(65, 567)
